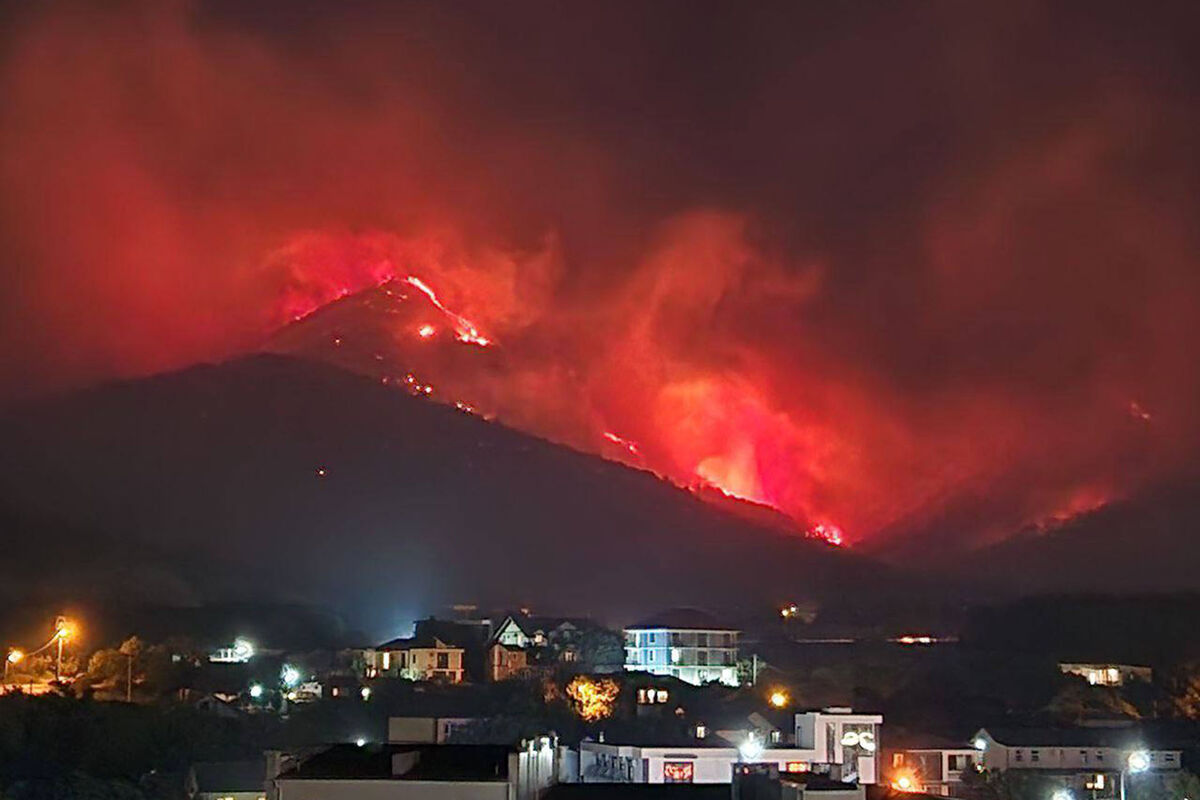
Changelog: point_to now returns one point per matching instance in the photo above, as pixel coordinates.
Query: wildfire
(593, 699)
(1138, 411)
(623, 442)
(466, 330)
(828, 533)
(425, 331)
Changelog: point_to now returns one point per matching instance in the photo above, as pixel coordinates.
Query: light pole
(1136, 762)
(62, 632)
(13, 657)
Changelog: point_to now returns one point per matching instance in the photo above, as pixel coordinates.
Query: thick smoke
(885, 268)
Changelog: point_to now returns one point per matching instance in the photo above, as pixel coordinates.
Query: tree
(131, 648)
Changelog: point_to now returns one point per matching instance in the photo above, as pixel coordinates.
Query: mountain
(1144, 543)
(289, 480)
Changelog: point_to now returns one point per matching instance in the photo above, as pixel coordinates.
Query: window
(1169, 757)
(1018, 756)
(1035, 755)
(897, 759)
(1099, 755)
(701, 731)
(775, 737)
(678, 771)
(443, 661)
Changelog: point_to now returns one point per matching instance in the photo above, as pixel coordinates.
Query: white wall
(392, 790)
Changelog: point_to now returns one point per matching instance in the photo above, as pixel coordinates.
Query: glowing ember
(467, 332)
(1137, 411)
(593, 698)
(830, 534)
(623, 442)
(425, 331)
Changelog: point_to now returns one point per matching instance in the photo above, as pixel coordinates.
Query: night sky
(881, 266)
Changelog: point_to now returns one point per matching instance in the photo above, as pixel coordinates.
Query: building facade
(1091, 760)
(835, 743)
(1107, 674)
(685, 644)
(420, 658)
(933, 770)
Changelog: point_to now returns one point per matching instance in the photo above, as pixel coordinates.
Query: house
(1091, 759)
(420, 658)
(685, 643)
(228, 780)
(934, 768)
(425, 730)
(506, 661)
(835, 743)
(1107, 674)
(558, 638)
(423, 772)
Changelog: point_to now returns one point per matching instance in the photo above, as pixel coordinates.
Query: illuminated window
(701, 731)
(775, 736)
(660, 695)
(797, 766)
(387, 660)
(678, 771)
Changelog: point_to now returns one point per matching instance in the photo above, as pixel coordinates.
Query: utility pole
(60, 625)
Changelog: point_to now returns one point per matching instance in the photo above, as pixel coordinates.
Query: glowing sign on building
(678, 771)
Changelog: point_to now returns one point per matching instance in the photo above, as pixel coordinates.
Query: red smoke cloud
(892, 280)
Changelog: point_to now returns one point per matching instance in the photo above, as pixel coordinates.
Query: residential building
(835, 743)
(1092, 759)
(423, 772)
(425, 730)
(228, 780)
(933, 769)
(1107, 674)
(506, 661)
(685, 643)
(420, 658)
(547, 639)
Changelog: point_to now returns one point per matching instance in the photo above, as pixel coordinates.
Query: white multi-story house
(1092, 759)
(686, 644)
(835, 742)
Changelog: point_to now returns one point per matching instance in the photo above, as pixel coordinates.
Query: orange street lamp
(63, 629)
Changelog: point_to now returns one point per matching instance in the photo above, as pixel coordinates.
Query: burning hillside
(749, 254)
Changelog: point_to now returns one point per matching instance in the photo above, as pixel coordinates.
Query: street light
(1136, 762)
(14, 656)
(64, 629)
(779, 698)
(751, 749)
(256, 691)
(290, 676)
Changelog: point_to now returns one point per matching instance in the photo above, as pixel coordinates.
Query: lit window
(660, 695)
(701, 731)
(387, 660)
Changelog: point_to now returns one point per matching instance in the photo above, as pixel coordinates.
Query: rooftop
(681, 619)
(445, 762)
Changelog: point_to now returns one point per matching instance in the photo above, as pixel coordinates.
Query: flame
(425, 331)
(828, 533)
(623, 442)
(466, 330)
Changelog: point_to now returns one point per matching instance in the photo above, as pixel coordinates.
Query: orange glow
(830, 534)
(623, 442)
(779, 698)
(425, 331)
(467, 332)
(593, 699)
(904, 782)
